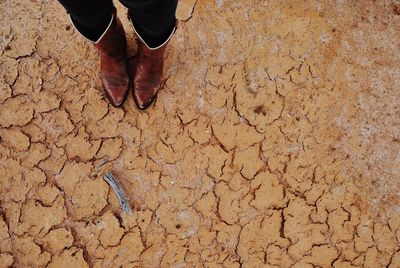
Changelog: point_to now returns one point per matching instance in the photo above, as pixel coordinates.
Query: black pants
(154, 20)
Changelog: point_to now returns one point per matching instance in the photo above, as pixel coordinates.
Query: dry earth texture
(274, 142)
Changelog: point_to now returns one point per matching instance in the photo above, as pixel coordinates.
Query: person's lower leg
(153, 20)
(90, 17)
(97, 21)
(154, 24)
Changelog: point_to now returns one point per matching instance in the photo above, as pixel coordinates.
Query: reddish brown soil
(273, 143)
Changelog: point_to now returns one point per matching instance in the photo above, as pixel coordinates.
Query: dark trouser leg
(90, 17)
(154, 20)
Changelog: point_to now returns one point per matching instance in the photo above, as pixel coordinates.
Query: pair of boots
(115, 76)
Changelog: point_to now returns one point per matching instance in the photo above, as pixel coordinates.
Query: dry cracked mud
(274, 142)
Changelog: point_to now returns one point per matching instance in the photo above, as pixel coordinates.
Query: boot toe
(116, 94)
(117, 102)
(143, 104)
(143, 95)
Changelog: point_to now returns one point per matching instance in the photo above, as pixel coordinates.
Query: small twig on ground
(123, 201)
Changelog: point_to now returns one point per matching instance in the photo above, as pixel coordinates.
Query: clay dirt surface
(274, 141)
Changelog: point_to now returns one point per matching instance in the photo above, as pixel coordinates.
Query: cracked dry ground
(274, 141)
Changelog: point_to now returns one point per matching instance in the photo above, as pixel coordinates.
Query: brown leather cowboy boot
(148, 72)
(114, 63)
